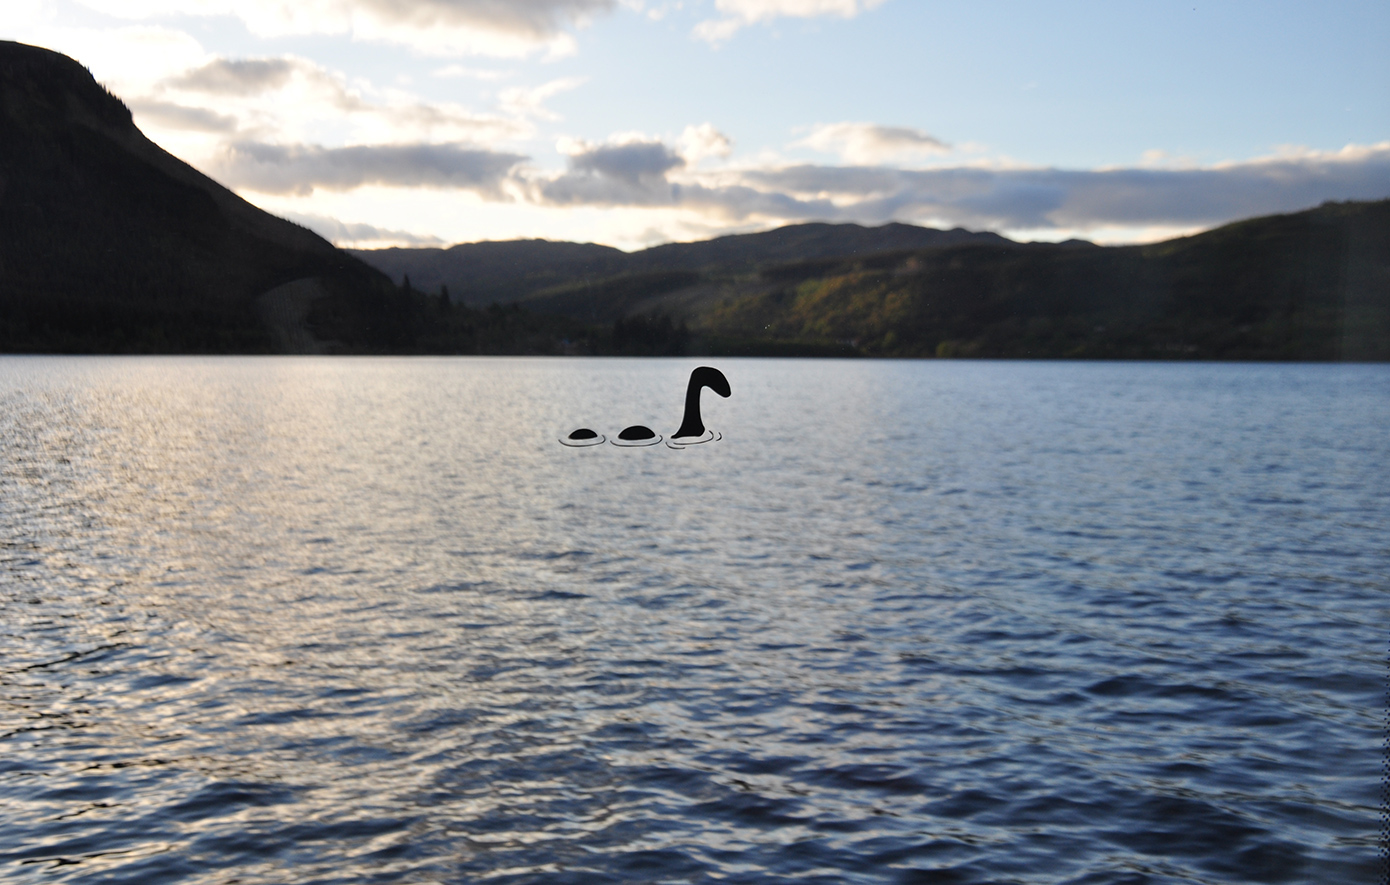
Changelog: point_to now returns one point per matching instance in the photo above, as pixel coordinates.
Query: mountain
(534, 271)
(110, 244)
(742, 253)
(497, 272)
(1312, 285)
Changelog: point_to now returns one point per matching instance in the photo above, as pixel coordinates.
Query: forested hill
(1312, 285)
(516, 270)
(110, 244)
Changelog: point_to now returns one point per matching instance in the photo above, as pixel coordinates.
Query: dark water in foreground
(313, 620)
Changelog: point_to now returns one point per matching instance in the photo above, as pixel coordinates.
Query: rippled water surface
(357, 620)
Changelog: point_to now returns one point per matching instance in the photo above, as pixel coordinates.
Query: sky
(638, 122)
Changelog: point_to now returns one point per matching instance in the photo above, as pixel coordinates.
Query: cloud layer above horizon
(653, 174)
(453, 145)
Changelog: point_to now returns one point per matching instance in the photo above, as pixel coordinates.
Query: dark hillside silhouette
(110, 244)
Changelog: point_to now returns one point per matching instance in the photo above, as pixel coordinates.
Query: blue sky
(632, 122)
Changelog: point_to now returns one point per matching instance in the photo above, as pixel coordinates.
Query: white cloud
(717, 30)
(288, 99)
(455, 71)
(359, 235)
(484, 27)
(739, 13)
(1157, 158)
(527, 102)
(763, 10)
(127, 60)
(657, 11)
(698, 142)
(869, 143)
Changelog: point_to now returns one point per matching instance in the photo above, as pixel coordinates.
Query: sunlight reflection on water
(302, 619)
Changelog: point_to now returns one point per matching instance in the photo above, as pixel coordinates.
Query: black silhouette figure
(703, 377)
(583, 437)
(692, 430)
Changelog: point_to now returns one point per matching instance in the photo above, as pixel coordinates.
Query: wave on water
(681, 442)
(1056, 624)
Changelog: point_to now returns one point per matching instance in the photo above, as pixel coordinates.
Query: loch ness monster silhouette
(692, 427)
(703, 377)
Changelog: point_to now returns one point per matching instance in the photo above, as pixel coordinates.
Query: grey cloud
(739, 202)
(1130, 196)
(237, 77)
(844, 181)
(633, 162)
(534, 18)
(593, 190)
(1004, 199)
(618, 174)
(177, 116)
(299, 169)
(1058, 198)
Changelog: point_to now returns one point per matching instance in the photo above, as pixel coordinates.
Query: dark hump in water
(636, 432)
(583, 433)
(704, 376)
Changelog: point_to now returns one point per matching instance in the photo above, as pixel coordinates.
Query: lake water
(283, 620)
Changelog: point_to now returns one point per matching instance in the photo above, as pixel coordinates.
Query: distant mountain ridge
(109, 243)
(1312, 285)
(500, 272)
(517, 270)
